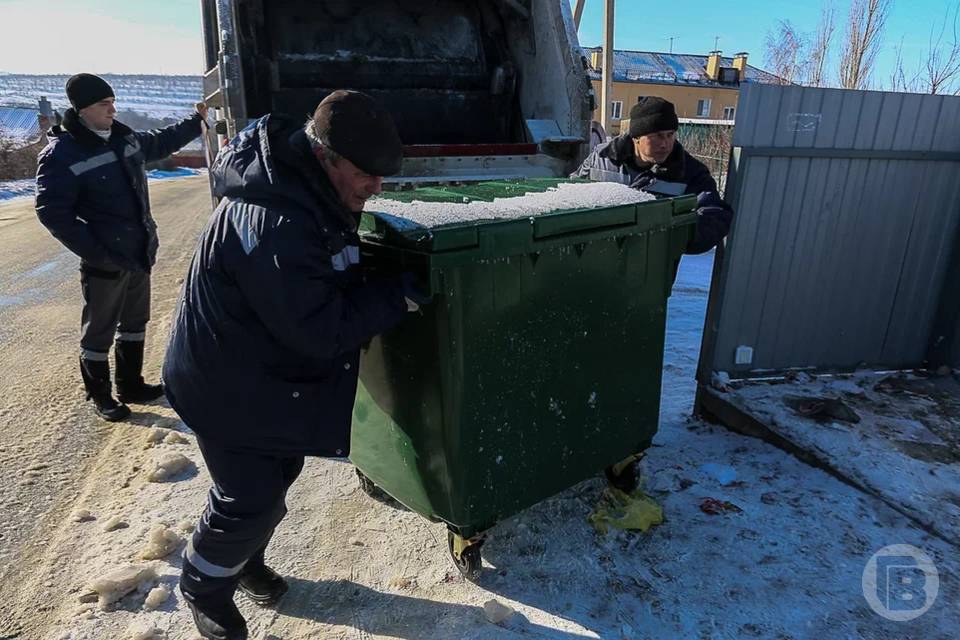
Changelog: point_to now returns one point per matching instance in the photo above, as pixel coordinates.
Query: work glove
(641, 181)
(414, 291)
(713, 222)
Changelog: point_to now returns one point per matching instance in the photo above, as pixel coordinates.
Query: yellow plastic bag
(625, 511)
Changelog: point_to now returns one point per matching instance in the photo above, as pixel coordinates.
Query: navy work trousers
(245, 504)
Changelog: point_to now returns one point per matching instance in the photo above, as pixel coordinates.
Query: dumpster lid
(398, 231)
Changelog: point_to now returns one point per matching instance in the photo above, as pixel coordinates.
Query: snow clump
(82, 515)
(126, 579)
(161, 543)
(496, 612)
(156, 598)
(114, 523)
(144, 631)
(168, 466)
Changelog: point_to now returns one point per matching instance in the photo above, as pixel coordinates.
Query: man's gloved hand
(713, 222)
(414, 291)
(641, 181)
(709, 199)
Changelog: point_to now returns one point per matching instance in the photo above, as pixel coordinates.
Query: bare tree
(862, 41)
(711, 145)
(820, 45)
(943, 58)
(784, 51)
(900, 80)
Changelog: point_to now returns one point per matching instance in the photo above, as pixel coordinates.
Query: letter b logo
(900, 582)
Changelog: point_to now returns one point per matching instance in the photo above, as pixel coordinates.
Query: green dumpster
(537, 364)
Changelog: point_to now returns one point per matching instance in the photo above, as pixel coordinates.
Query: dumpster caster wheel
(372, 490)
(625, 475)
(465, 554)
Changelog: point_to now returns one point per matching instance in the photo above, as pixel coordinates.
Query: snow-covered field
(755, 545)
(12, 189)
(158, 96)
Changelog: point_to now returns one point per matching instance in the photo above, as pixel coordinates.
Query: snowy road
(789, 565)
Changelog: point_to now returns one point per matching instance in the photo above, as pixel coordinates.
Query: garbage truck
(479, 89)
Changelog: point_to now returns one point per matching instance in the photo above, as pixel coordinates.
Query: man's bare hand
(44, 122)
(202, 109)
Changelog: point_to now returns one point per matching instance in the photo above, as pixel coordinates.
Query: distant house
(704, 89)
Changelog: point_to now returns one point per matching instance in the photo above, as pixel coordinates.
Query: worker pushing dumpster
(538, 363)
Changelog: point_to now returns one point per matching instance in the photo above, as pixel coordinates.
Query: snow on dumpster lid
(464, 205)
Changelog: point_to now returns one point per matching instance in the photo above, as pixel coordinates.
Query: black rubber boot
(211, 603)
(130, 384)
(262, 584)
(96, 380)
(216, 621)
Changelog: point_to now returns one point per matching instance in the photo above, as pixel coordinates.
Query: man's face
(655, 147)
(353, 185)
(99, 115)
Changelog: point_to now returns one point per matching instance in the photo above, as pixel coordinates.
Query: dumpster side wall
(845, 220)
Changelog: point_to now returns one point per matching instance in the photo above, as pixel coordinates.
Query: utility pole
(606, 92)
(672, 38)
(578, 12)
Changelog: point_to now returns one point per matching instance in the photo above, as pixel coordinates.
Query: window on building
(729, 113)
(703, 108)
(616, 109)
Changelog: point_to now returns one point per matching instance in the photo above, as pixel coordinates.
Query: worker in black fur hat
(92, 196)
(265, 347)
(648, 156)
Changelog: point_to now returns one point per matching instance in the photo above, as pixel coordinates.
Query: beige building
(703, 88)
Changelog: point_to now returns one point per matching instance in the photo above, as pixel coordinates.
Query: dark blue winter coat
(615, 161)
(266, 339)
(92, 193)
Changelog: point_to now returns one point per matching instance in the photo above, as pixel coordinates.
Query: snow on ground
(903, 446)
(788, 565)
(10, 189)
(565, 196)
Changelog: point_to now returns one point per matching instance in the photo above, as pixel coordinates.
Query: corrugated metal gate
(843, 251)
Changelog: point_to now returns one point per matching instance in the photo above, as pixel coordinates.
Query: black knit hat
(652, 114)
(85, 89)
(355, 126)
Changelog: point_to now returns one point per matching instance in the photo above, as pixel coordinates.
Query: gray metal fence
(846, 220)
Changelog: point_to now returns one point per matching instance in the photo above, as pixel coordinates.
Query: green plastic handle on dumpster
(552, 225)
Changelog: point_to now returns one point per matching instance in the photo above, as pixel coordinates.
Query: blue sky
(163, 36)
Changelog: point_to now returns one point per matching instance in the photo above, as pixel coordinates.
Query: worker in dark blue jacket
(649, 157)
(265, 345)
(92, 196)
